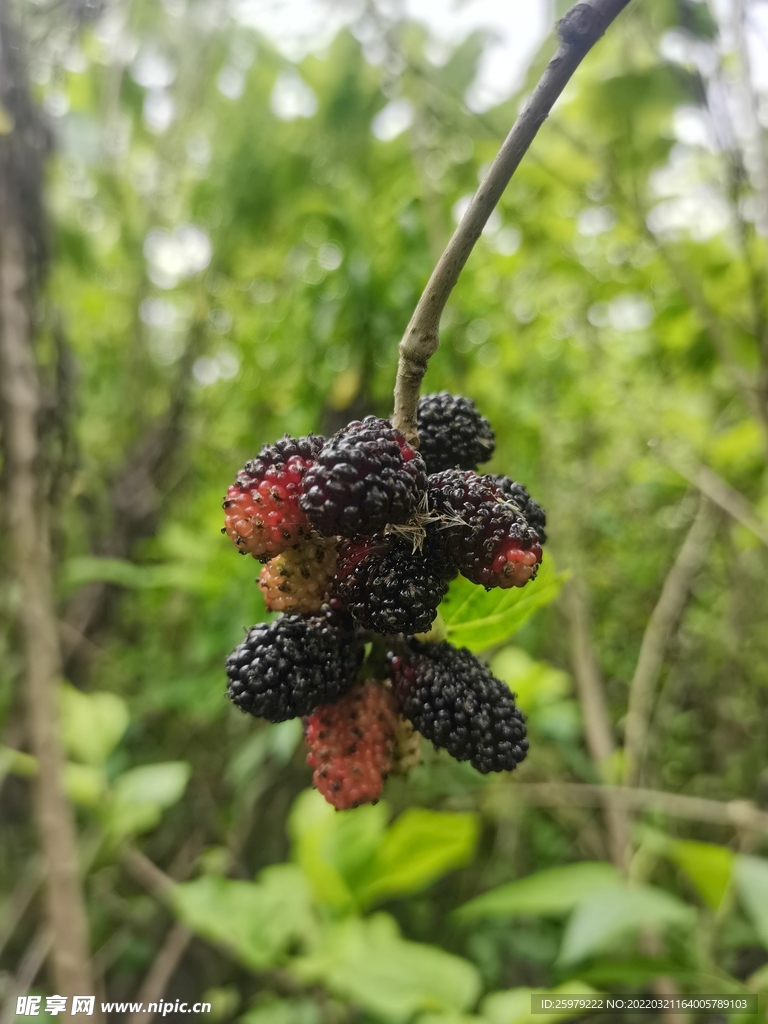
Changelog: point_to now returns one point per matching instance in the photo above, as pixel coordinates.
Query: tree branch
(658, 633)
(740, 814)
(29, 968)
(148, 875)
(578, 30)
(162, 970)
(597, 724)
(21, 897)
(720, 493)
(22, 153)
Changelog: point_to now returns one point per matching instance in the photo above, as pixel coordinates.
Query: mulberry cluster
(361, 535)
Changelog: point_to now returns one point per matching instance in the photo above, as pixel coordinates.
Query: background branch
(22, 154)
(658, 633)
(597, 725)
(725, 497)
(740, 814)
(578, 31)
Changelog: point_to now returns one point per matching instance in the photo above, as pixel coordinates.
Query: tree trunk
(23, 148)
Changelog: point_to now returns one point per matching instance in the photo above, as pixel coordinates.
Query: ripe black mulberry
(286, 668)
(365, 477)
(453, 699)
(452, 433)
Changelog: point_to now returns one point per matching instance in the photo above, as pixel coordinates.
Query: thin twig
(578, 31)
(21, 897)
(148, 875)
(720, 493)
(658, 633)
(597, 724)
(162, 970)
(739, 814)
(31, 962)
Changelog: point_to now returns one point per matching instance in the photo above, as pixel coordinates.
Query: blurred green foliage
(235, 255)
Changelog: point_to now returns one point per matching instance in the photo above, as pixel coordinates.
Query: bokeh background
(244, 201)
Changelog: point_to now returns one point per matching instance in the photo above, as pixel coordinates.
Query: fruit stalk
(578, 31)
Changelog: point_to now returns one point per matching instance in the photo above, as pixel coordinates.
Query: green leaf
(636, 972)
(85, 784)
(419, 847)
(122, 573)
(17, 762)
(92, 724)
(139, 796)
(536, 683)
(479, 619)
(551, 893)
(449, 1018)
(758, 982)
(256, 921)
(367, 961)
(708, 865)
(751, 878)
(283, 1011)
(610, 914)
(514, 1006)
(335, 850)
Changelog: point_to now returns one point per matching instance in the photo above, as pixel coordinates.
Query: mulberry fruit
(299, 580)
(534, 514)
(365, 477)
(452, 433)
(263, 516)
(486, 534)
(453, 700)
(351, 745)
(284, 669)
(388, 587)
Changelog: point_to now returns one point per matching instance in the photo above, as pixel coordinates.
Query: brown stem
(594, 707)
(160, 973)
(29, 968)
(658, 633)
(21, 897)
(578, 31)
(148, 875)
(720, 493)
(739, 814)
(21, 159)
